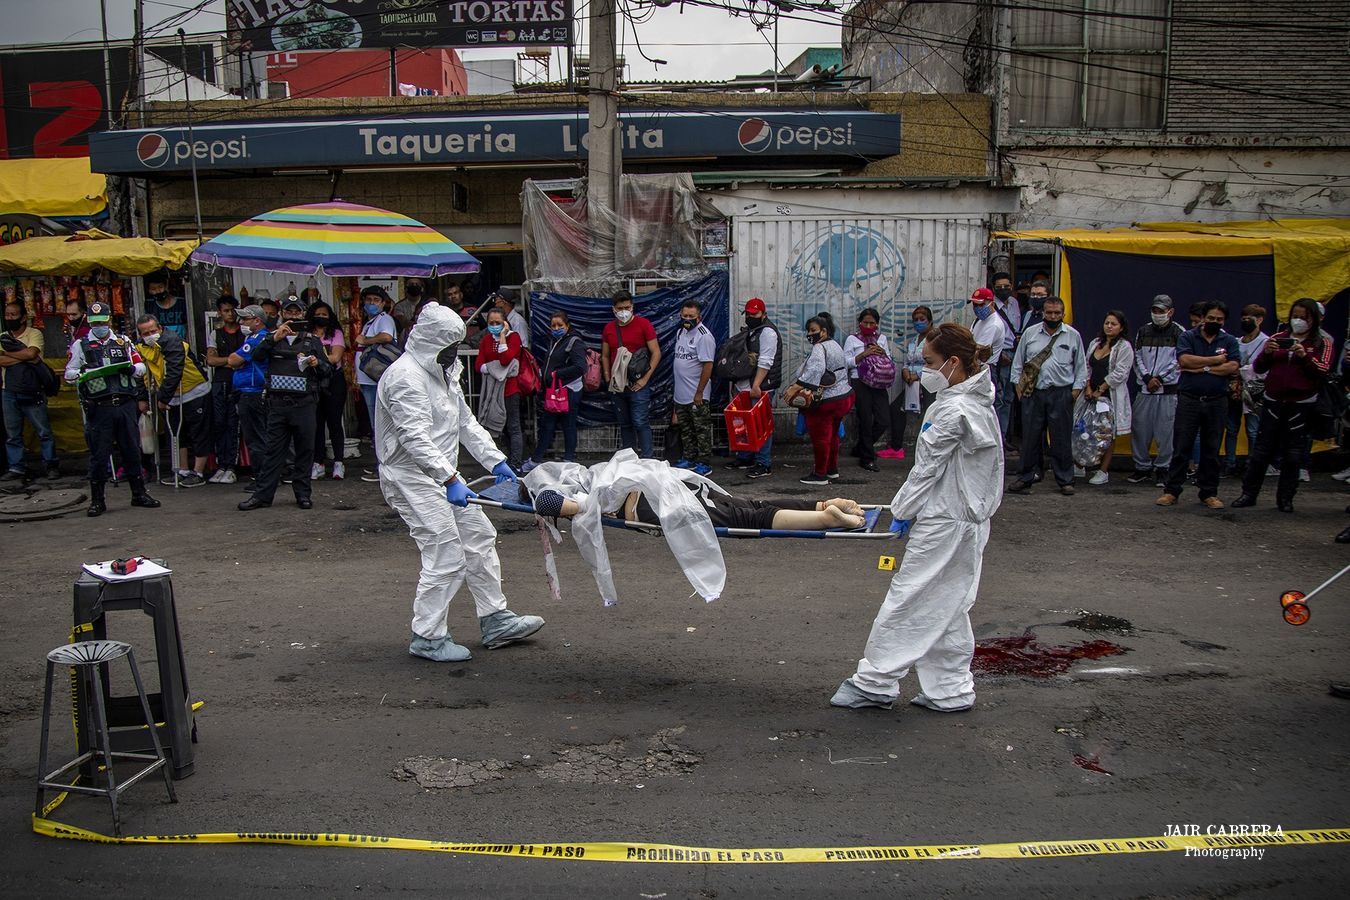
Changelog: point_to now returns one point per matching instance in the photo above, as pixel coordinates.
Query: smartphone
(1284, 343)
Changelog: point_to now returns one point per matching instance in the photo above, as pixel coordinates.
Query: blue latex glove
(503, 472)
(458, 493)
(900, 527)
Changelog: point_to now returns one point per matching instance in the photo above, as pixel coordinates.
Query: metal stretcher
(506, 496)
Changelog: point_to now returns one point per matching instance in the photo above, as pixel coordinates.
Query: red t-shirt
(636, 334)
(487, 352)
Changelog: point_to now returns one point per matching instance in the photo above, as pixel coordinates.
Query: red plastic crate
(748, 425)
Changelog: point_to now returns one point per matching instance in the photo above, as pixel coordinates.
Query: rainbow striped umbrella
(336, 238)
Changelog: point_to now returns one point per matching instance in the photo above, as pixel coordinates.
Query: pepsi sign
(545, 136)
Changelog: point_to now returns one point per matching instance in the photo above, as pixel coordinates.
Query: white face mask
(245, 329)
(624, 316)
(1298, 326)
(933, 381)
(151, 339)
(1160, 320)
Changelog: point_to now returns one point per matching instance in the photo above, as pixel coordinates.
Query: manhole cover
(38, 505)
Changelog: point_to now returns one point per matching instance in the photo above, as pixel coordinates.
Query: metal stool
(86, 659)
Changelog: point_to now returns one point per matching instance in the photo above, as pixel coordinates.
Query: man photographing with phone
(296, 366)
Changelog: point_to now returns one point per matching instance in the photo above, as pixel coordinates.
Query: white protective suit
(421, 417)
(602, 489)
(951, 493)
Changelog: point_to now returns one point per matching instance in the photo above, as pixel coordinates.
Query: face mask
(920, 326)
(100, 331)
(75, 321)
(371, 309)
(494, 330)
(687, 324)
(446, 358)
(558, 332)
(983, 312)
(1211, 329)
(1248, 326)
(270, 322)
(321, 321)
(754, 321)
(1053, 324)
(151, 339)
(1037, 302)
(1160, 320)
(867, 330)
(246, 330)
(158, 296)
(933, 381)
(1003, 293)
(814, 337)
(624, 316)
(13, 324)
(1297, 326)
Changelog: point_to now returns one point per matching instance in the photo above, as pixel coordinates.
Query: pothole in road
(607, 763)
(439, 772)
(1095, 621)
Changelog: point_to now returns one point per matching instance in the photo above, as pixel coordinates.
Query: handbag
(378, 357)
(556, 399)
(877, 371)
(1031, 371)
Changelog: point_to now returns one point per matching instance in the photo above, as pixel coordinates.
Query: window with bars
(1088, 64)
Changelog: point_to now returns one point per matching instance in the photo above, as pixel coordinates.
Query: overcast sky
(699, 44)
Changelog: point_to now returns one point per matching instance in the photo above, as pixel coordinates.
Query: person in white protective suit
(421, 417)
(945, 506)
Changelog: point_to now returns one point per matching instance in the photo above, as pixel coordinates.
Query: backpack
(876, 371)
(734, 360)
(530, 378)
(593, 378)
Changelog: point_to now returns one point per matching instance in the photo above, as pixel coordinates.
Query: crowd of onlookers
(272, 386)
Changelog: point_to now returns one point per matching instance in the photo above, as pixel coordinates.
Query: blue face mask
(983, 312)
(100, 332)
(371, 309)
(920, 325)
(494, 330)
(558, 332)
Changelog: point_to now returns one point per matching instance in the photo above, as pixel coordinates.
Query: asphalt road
(668, 720)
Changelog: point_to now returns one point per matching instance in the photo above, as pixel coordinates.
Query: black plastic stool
(172, 705)
(87, 659)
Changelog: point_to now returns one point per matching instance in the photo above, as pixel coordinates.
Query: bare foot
(845, 505)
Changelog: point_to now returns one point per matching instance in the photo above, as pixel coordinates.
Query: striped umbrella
(336, 238)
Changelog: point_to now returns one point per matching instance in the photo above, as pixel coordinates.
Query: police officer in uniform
(296, 364)
(109, 402)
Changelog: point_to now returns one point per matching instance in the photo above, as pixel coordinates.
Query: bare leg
(808, 520)
(844, 504)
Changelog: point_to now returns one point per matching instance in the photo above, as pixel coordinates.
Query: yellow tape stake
(668, 853)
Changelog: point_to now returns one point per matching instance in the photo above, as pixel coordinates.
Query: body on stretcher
(506, 496)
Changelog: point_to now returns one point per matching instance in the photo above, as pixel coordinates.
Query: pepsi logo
(153, 151)
(755, 135)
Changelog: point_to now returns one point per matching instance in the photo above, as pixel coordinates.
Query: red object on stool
(749, 425)
(123, 566)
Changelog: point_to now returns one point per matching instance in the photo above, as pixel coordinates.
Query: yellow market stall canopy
(52, 188)
(86, 251)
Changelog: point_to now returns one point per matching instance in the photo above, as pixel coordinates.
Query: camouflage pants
(695, 430)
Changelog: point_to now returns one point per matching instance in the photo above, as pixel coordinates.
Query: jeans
(1003, 397)
(368, 394)
(874, 418)
(633, 409)
(1283, 435)
(822, 423)
(764, 455)
(515, 436)
(15, 415)
(224, 423)
(1153, 418)
(548, 426)
(1198, 417)
(1048, 408)
(1235, 423)
(328, 417)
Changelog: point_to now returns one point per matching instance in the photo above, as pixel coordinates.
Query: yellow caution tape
(615, 851)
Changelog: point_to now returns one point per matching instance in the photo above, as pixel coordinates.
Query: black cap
(292, 300)
(99, 310)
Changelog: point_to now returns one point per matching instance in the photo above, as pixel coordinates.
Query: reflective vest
(114, 350)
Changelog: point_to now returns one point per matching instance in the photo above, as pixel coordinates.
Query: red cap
(982, 295)
(754, 307)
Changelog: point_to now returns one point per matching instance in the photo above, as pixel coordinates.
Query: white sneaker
(316, 471)
(1099, 477)
(228, 478)
(1304, 475)
(1342, 475)
(217, 477)
(1272, 472)
(339, 471)
(1079, 472)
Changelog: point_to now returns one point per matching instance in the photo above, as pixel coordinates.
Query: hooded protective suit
(421, 417)
(951, 493)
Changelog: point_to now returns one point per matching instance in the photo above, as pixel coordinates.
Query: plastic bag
(1094, 428)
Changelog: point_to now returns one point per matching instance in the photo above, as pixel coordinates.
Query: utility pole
(603, 160)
